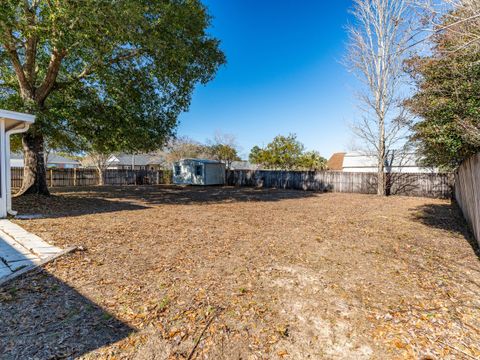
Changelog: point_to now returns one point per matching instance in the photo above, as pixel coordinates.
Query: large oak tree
(287, 153)
(104, 74)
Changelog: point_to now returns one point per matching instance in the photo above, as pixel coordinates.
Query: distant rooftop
(52, 158)
(336, 161)
(244, 165)
(138, 159)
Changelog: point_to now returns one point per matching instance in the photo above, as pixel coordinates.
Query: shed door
(215, 174)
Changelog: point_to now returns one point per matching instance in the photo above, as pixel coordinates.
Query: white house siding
(16, 163)
(138, 161)
(396, 163)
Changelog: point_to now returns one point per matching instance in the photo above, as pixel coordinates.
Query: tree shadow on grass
(91, 200)
(197, 195)
(447, 217)
(41, 317)
(75, 202)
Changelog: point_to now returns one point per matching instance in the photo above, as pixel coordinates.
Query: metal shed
(198, 172)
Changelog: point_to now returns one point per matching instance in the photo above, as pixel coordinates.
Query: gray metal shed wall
(214, 174)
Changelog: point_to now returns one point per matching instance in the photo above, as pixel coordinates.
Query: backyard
(238, 273)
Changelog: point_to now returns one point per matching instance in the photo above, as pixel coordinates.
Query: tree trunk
(100, 175)
(34, 170)
(381, 179)
(381, 161)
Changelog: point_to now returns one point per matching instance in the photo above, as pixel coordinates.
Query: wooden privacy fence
(467, 192)
(89, 177)
(437, 185)
(429, 185)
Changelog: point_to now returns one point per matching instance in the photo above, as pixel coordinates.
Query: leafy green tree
(224, 148)
(116, 71)
(447, 103)
(256, 155)
(283, 152)
(224, 153)
(286, 153)
(312, 161)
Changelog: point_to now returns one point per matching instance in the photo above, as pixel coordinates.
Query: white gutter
(20, 128)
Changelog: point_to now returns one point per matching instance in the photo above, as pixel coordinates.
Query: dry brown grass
(250, 274)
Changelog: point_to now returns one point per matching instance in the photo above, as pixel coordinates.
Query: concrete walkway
(20, 249)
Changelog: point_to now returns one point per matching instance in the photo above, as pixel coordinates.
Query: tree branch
(25, 88)
(30, 46)
(52, 72)
(90, 69)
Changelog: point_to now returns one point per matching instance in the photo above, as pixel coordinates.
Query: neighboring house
(396, 162)
(137, 162)
(198, 172)
(53, 161)
(244, 165)
(335, 163)
(16, 160)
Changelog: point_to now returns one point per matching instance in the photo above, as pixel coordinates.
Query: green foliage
(286, 153)
(257, 155)
(126, 68)
(224, 153)
(312, 161)
(448, 104)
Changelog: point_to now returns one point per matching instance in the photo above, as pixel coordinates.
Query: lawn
(224, 273)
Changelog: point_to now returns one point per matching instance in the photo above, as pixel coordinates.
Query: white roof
(12, 115)
(12, 119)
(202, 161)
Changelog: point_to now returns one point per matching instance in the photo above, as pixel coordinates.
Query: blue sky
(283, 75)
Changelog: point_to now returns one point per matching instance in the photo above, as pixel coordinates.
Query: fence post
(74, 176)
(158, 177)
(51, 177)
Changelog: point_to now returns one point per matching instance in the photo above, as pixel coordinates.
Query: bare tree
(184, 147)
(100, 161)
(224, 139)
(379, 38)
(224, 148)
(460, 18)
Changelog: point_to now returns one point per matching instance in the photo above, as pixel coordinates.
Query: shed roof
(203, 161)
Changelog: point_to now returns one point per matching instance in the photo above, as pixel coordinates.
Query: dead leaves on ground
(368, 272)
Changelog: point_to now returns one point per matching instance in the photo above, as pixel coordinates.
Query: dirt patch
(247, 274)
